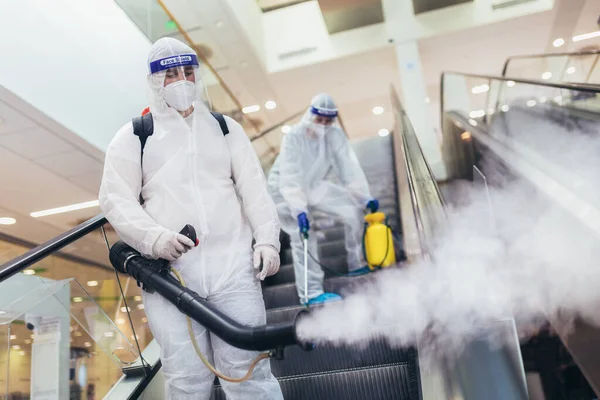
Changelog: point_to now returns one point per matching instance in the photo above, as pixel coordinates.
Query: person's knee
(184, 386)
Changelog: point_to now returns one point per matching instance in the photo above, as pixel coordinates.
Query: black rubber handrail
(46, 249)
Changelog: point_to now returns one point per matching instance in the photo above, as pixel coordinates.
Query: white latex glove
(270, 261)
(171, 245)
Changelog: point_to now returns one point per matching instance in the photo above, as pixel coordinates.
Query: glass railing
(64, 326)
(580, 67)
(508, 108)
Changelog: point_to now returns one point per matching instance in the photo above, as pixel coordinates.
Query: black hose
(154, 277)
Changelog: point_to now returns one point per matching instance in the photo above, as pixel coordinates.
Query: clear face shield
(319, 121)
(176, 83)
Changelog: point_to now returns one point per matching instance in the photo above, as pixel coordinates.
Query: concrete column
(413, 92)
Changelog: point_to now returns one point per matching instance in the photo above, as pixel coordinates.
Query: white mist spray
(535, 261)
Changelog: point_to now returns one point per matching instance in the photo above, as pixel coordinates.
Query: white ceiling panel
(11, 120)
(28, 187)
(28, 228)
(89, 181)
(34, 142)
(70, 163)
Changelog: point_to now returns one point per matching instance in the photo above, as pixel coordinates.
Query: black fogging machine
(154, 276)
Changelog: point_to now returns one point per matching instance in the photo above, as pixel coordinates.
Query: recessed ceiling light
(109, 334)
(92, 283)
(547, 75)
(480, 89)
(531, 103)
(13, 337)
(137, 298)
(87, 344)
(78, 334)
(125, 309)
(22, 353)
(378, 110)
(586, 36)
(7, 221)
(27, 341)
(77, 299)
(510, 83)
(251, 109)
(477, 114)
(29, 272)
(383, 132)
(571, 70)
(144, 320)
(465, 135)
(543, 99)
(16, 347)
(270, 105)
(60, 210)
(134, 337)
(120, 321)
(140, 306)
(558, 42)
(286, 129)
(473, 122)
(505, 108)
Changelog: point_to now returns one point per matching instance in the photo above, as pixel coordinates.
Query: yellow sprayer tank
(378, 242)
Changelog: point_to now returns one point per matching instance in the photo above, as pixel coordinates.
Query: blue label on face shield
(171, 62)
(323, 113)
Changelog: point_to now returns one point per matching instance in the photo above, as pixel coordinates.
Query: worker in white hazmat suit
(299, 188)
(191, 173)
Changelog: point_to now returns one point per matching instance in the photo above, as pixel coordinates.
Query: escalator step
(286, 272)
(329, 358)
(285, 295)
(386, 382)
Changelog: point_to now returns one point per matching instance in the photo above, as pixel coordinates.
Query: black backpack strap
(222, 123)
(143, 127)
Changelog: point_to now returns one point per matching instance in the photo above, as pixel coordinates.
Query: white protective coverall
(297, 184)
(193, 174)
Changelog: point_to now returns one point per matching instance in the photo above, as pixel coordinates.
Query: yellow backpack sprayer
(378, 242)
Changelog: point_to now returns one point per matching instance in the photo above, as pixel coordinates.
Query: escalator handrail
(46, 249)
(558, 85)
(277, 125)
(581, 87)
(548, 55)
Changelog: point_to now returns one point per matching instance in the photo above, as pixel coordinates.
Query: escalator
(109, 342)
(377, 371)
(118, 345)
(478, 130)
(527, 131)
